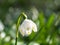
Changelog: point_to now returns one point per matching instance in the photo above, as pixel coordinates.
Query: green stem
(16, 41)
(17, 25)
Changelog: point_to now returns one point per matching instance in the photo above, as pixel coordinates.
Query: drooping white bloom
(7, 39)
(1, 26)
(2, 35)
(14, 27)
(48, 38)
(35, 13)
(26, 27)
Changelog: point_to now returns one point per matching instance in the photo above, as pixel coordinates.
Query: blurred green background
(45, 13)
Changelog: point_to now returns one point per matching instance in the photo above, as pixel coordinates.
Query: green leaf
(41, 35)
(50, 21)
(41, 19)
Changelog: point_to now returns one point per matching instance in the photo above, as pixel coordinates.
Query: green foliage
(50, 21)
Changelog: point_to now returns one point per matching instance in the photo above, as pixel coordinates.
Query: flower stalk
(17, 25)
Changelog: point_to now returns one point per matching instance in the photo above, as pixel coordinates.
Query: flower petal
(34, 27)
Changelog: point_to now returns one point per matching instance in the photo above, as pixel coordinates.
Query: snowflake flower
(1, 26)
(27, 27)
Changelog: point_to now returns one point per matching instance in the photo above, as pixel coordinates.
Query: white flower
(14, 27)
(26, 27)
(2, 35)
(35, 13)
(7, 39)
(1, 26)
